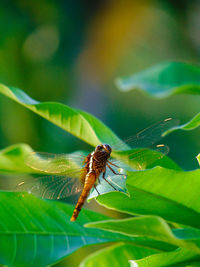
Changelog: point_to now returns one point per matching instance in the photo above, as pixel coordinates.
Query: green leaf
(153, 227)
(163, 80)
(76, 122)
(113, 183)
(198, 158)
(173, 195)
(16, 158)
(12, 159)
(192, 124)
(174, 258)
(31, 229)
(144, 158)
(117, 255)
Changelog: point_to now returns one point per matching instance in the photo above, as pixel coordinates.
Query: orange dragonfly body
(64, 182)
(96, 163)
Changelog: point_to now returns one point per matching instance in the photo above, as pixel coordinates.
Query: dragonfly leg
(104, 173)
(116, 173)
(111, 163)
(96, 189)
(99, 179)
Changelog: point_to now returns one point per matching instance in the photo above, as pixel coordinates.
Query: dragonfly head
(103, 148)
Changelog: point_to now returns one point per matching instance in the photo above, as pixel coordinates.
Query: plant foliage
(163, 80)
(162, 202)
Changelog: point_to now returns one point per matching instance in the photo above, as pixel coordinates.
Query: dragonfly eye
(107, 148)
(99, 148)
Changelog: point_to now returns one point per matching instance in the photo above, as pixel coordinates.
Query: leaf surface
(178, 258)
(116, 255)
(76, 122)
(155, 228)
(31, 229)
(163, 80)
(144, 158)
(192, 124)
(81, 124)
(173, 195)
(198, 158)
(12, 159)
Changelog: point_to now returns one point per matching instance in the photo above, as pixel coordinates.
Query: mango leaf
(179, 257)
(31, 229)
(170, 194)
(12, 159)
(163, 80)
(192, 124)
(153, 227)
(116, 255)
(198, 158)
(45, 228)
(76, 122)
(144, 158)
(113, 183)
(17, 158)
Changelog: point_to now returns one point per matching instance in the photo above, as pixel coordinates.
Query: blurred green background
(71, 52)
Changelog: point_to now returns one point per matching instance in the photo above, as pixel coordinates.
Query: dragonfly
(65, 178)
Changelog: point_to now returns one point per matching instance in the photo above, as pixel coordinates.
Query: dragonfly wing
(54, 163)
(140, 159)
(51, 187)
(148, 136)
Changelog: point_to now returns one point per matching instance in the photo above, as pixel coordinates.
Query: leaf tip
(133, 263)
(198, 158)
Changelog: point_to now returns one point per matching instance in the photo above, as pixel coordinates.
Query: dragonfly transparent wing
(51, 187)
(54, 163)
(148, 136)
(140, 159)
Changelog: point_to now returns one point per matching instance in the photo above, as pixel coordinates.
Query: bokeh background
(72, 51)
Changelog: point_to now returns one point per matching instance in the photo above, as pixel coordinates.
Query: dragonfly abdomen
(95, 165)
(89, 183)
